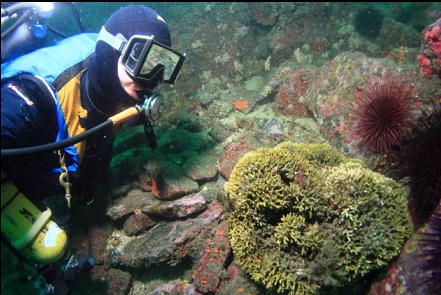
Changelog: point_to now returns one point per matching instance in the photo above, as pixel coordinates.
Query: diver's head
(132, 57)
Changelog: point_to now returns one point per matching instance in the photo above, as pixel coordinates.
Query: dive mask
(144, 59)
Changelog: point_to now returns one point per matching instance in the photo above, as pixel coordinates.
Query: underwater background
(275, 171)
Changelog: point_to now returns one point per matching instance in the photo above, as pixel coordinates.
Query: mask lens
(160, 56)
(134, 55)
(136, 51)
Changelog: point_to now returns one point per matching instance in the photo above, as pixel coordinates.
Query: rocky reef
(260, 183)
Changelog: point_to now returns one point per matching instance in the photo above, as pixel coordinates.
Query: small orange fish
(155, 189)
(241, 104)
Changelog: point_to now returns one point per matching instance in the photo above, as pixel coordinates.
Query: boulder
(181, 208)
(135, 199)
(167, 242)
(118, 282)
(237, 283)
(335, 90)
(295, 85)
(210, 269)
(98, 236)
(171, 187)
(202, 167)
(232, 153)
(138, 223)
(182, 288)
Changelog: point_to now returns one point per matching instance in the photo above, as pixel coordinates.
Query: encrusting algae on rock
(305, 218)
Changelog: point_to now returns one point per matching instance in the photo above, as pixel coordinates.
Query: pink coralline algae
(424, 64)
(208, 275)
(430, 53)
(290, 90)
(392, 284)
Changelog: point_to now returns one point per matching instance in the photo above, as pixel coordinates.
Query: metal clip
(64, 181)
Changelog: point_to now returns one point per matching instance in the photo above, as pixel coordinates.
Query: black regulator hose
(23, 18)
(25, 151)
(112, 121)
(77, 17)
(56, 32)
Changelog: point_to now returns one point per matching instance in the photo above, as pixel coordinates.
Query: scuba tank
(28, 230)
(25, 27)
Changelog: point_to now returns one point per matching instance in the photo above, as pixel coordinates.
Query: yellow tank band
(28, 230)
(34, 230)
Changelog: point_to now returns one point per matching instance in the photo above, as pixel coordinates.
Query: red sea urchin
(384, 115)
(419, 159)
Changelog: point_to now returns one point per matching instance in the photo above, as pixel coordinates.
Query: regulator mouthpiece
(151, 110)
(153, 107)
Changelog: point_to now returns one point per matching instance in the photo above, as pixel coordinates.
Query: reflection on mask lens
(136, 51)
(160, 56)
(134, 56)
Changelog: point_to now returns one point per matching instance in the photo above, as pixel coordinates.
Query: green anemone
(305, 217)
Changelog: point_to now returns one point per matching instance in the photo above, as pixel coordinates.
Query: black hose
(56, 32)
(18, 152)
(76, 14)
(77, 17)
(19, 21)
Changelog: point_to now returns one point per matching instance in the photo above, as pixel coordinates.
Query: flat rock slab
(168, 180)
(138, 223)
(210, 269)
(167, 242)
(203, 167)
(177, 209)
(175, 187)
(181, 288)
(135, 199)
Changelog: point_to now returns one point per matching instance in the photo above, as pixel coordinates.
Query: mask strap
(117, 42)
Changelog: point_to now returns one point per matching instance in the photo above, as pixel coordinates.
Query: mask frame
(140, 50)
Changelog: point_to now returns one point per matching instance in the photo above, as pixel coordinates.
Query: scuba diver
(59, 105)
